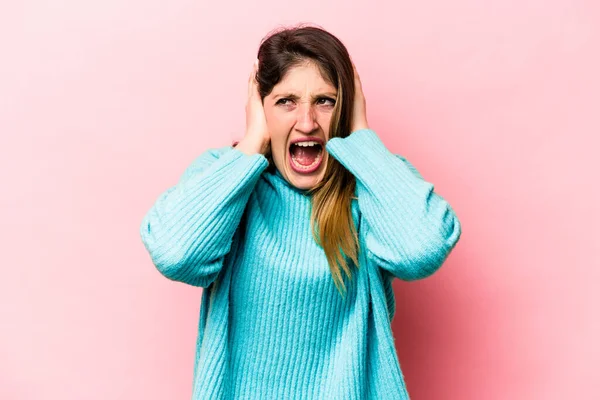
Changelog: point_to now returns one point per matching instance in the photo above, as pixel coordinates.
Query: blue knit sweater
(272, 324)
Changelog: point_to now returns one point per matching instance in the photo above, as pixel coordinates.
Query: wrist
(250, 146)
(358, 127)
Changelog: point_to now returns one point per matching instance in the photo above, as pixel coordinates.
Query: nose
(307, 121)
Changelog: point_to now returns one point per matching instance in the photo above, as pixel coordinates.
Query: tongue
(305, 155)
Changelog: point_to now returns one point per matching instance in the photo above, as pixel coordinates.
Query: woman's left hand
(359, 117)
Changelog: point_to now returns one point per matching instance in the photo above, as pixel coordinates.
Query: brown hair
(331, 216)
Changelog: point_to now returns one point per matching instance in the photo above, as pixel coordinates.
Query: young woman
(296, 232)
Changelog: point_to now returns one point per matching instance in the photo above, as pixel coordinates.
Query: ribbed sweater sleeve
(190, 227)
(410, 229)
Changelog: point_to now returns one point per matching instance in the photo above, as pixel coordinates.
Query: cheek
(278, 142)
(279, 126)
(324, 120)
(278, 122)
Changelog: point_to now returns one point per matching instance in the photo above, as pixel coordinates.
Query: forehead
(302, 78)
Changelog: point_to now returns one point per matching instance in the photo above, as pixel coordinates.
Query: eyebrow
(294, 96)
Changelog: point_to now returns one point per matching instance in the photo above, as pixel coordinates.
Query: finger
(356, 76)
(251, 80)
(255, 75)
(249, 85)
(253, 71)
(357, 81)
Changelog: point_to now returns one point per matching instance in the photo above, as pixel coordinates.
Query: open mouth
(306, 157)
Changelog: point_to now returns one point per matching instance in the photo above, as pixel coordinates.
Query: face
(298, 111)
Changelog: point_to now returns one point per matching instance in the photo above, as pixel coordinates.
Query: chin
(305, 182)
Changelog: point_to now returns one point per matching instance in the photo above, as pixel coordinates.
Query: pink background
(103, 104)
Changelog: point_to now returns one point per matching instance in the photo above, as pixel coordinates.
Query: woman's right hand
(257, 138)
